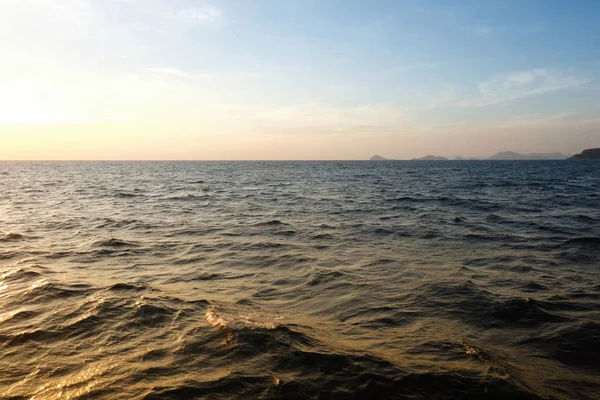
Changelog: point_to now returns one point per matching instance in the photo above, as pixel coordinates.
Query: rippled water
(294, 280)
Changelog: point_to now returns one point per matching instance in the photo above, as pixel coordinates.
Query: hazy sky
(296, 79)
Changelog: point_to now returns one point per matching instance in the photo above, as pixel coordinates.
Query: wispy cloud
(319, 118)
(205, 13)
(504, 88)
(561, 116)
(542, 119)
(167, 71)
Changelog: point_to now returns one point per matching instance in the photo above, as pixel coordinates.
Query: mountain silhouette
(588, 154)
(377, 158)
(431, 158)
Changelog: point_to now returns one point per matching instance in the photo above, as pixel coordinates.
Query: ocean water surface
(300, 280)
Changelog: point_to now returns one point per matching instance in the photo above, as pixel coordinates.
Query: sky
(296, 79)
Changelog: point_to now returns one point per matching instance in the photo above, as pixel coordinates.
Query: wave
(240, 320)
(112, 242)
(284, 363)
(319, 276)
(524, 312)
(135, 287)
(477, 306)
(582, 241)
(152, 314)
(124, 195)
(273, 222)
(574, 344)
(46, 290)
(26, 273)
(585, 219)
(323, 236)
(105, 223)
(188, 197)
(535, 287)
(11, 237)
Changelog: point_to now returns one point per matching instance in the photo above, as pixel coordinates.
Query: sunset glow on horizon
(184, 79)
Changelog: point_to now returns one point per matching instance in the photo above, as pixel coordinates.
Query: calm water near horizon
(300, 280)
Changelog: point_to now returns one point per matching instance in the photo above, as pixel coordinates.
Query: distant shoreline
(588, 154)
(280, 160)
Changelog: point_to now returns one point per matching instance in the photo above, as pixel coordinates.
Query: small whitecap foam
(482, 355)
(238, 322)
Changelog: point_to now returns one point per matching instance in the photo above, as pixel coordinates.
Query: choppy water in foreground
(283, 280)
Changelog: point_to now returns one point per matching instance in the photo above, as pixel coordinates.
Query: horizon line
(273, 160)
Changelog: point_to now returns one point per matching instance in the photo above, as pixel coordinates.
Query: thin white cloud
(321, 115)
(561, 116)
(542, 119)
(505, 88)
(167, 71)
(206, 13)
(314, 117)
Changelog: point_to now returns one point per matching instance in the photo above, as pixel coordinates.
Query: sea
(300, 280)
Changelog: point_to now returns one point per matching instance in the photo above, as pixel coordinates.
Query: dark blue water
(300, 280)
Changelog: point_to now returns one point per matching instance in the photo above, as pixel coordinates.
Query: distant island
(430, 158)
(588, 154)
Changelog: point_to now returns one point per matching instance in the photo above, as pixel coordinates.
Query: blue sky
(297, 79)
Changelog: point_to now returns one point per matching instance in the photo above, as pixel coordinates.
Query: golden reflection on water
(81, 383)
(8, 315)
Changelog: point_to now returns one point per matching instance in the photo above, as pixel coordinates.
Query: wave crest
(241, 321)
